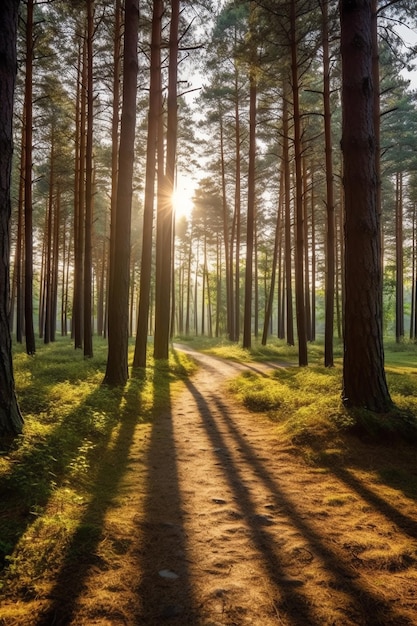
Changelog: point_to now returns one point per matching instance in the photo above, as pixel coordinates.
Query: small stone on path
(166, 573)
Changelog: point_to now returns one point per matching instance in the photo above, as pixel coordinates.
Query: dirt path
(216, 524)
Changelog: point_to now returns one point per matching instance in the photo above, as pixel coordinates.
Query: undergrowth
(72, 424)
(306, 403)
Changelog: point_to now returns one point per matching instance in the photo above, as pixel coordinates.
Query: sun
(182, 198)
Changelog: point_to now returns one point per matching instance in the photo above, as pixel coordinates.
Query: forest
(238, 106)
(208, 211)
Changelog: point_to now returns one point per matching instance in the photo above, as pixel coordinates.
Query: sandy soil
(216, 523)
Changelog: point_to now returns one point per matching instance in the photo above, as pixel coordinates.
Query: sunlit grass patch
(304, 402)
(339, 499)
(75, 440)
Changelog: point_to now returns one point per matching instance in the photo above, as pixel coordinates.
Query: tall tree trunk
(115, 130)
(118, 323)
(307, 294)
(330, 223)
(237, 208)
(19, 258)
(227, 247)
(270, 301)
(364, 383)
(299, 242)
(164, 227)
(48, 249)
(155, 103)
(79, 196)
(288, 253)
(88, 263)
(29, 329)
(413, 274)
(399, 260)
(11, 421)
(250, 223)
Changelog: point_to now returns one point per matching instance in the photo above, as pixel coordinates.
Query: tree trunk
(79, 197)
(399, 260)
(250, 224)
(330, 233)
(29, 330)
(270, 301)
(288, 254)
(164, 229)
(237, 209)
(11, 421)
(118, 323)
(155, 97)
(88, 263)
(364, 383)
(299, 237)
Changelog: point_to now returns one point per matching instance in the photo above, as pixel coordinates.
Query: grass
(72, 425)
(305, 403)
(53, 487)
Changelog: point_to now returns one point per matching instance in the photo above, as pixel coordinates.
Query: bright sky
(183, 196)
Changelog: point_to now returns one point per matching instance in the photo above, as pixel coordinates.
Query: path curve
(213, 522)
(242, 523)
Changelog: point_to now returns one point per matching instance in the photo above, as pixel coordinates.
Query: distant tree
(364, 382)
(250, 223)
(118, 324)
(88, 331)
(165, 213)
(139, 359)
(30, 42)
(11, 421)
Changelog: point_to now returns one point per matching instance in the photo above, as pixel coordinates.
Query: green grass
(72, 424)
(52, 481)
(305, 403)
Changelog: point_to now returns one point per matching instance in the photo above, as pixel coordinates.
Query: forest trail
(215, 523)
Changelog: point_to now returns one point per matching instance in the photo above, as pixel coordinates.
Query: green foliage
(306, 403)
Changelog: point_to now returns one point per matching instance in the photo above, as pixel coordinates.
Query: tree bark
(11, 421)
(250, 224)
(118, 323)
(29, 329)
(164, 227)
(330, 233)
(364, 383)
(299, 237)
(88, 273)
(139, 359)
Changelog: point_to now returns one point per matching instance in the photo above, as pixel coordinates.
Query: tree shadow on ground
(364, 607)
(27, 489)
(80, 556)
(164, 591)
(393, 467)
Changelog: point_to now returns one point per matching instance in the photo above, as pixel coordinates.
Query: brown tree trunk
(115, 127)
(164, 226)
(19, 254)
(79, 197)
(299, 239)
(330, 233)
(250, 223)
(29, 330)
(155, 103)
(11, 421)
(88, 263)
(270, 301)
(237, 209)
(364, 383)
(288, 242)
(118, 323)
(399, 260)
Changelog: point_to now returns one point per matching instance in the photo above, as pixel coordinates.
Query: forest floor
(211, 521)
